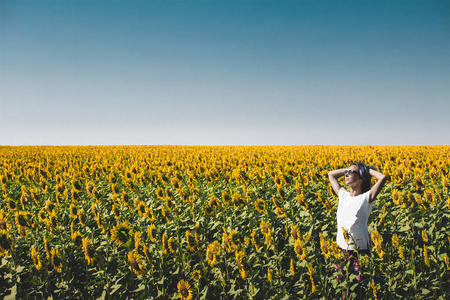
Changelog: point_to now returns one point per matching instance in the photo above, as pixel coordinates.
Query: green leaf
(140, 288)
(425, 291)
(11, 296)
(19, 269)
(405, 228)
(161, 281)
(115, 288)
(204, 293)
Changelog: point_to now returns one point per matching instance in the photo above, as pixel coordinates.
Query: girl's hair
(364, 174)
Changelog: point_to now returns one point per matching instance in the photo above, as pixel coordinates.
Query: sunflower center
(239, 264)
(2, 224)
(57, 261)
(35, 259)
(90, 252)
(12, 204)
(122, 235)
(134, 264)
(23, 221)
(210, 254)
(78, 240)
(184, 291)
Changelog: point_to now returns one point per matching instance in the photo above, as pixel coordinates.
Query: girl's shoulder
(343, 192)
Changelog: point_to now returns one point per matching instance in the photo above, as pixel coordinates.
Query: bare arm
(381, 180)
(333, 176)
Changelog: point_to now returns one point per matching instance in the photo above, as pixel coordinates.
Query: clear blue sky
(224, 72)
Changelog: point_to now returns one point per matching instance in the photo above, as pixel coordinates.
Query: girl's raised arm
(333, 176)
(381, 180)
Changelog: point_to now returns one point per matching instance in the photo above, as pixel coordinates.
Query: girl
(354, 207)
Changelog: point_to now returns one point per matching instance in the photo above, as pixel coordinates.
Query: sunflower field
(219, 222)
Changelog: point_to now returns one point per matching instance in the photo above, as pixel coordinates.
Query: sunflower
(5, 243)
(47, 247)
(240, 256)
(137, 241)
(141, 208)
(76, 185)
(49, 206)
(151, 232)
(424, 236)
(265, 229)
(22, 218)
(184, 290)
(147, 253)
(165, 214)
(397, 197)
(299, 249)
(280, 212)
(164, 244)
(3, 224)
(260, 205)
(136, 263)
(75, 195)
(295, 233)
(56, 260)
(88, 250)
(42, 215)
(114, 188)
(233, 237)
(445, 183)
(395, 241)
(53, 220)
(211, 254)
(213, 202)
(226, 241)
(197, 233)
(209, 210)
(346, 235)
(324, 246)
(73, 211)
(377, 241)
(36, 258)
(82, 217)
(125, 199)
(255, 240)
(311, 277)
(374, 290)
(225, 197)
(159, 193)
(149, 214)
(77, 239)
(190, 241)
(116, 211)
(425, 255)
(121, 233)
(292, 267)
(12, 205)
(197, 275)
(171, 245)
(446, 260)
(337, 253)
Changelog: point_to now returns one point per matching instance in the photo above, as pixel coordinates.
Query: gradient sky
(224, 72)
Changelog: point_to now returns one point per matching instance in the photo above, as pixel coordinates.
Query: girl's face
(353, 177)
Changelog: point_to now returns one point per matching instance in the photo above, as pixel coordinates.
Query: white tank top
(353, 214)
